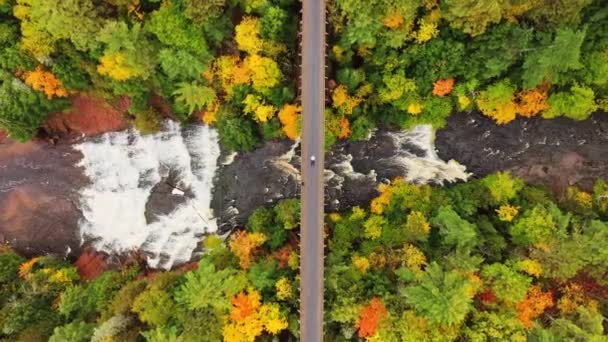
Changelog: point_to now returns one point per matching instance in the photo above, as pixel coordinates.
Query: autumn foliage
(46, 82)
(532, 102)
(115, 66)
(243, 244)
(283, 289)
(209, 115)
(26, 267)
(502, 113)
(244, 305)
(487, 297)
(249, 318)
(343, 101)
(443, 87)
(370, 317)
(290, 119)
(503, 104)
(344, 128)
(90, 265)
(535, 303)
(393, 20)
(230, 71)
(507, 212)
(282, 256)
(379, 203)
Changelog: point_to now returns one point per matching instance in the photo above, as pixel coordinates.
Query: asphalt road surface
(311, 231)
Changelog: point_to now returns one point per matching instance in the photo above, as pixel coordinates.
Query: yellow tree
(46, 82)
(116, 66)
(290, 119)
(249, 318)
(261, 111)
(249, 39)
(244, 244)
(498, 102)
(532, 102)
(535, 303)
(265, 72)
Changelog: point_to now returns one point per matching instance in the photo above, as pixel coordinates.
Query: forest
(190, 54)
(492, 259)
(234, 64)
(402, 63)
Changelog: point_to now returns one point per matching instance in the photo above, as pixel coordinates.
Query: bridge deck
(313, 138)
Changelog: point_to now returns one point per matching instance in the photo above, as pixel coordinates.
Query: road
(311, 231)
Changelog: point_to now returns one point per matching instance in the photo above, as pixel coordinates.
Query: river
(160, 194)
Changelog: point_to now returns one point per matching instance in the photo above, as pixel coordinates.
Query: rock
(39, 182)
(38, 197)
(555, 153)
(89, 116)
(165, 197)
(352, 172)
(35, 223)
(240, 186)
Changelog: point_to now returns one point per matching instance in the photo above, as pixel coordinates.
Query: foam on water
(427, 168)
(413, 158)
(124, 167)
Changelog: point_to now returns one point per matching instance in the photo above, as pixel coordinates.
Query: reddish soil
(91, 264)
(150, 273)
(90, 116)
(161, 105)
(191, 266)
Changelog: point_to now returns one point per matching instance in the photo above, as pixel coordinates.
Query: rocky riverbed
(39, 198)
(555, 153)
(44, 206)
(352, 172)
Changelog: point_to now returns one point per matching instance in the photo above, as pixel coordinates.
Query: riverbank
(41, 204)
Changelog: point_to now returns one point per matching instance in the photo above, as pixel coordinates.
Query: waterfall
(354, 169)
(153, 193)
(408, 154)
(423, 167)
(124, 169)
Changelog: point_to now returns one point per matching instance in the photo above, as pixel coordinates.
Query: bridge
(313, 141)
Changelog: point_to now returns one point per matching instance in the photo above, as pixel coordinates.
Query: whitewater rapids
(124, 167)
(42, 188)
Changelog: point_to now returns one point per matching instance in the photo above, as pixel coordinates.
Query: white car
(312, 160)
